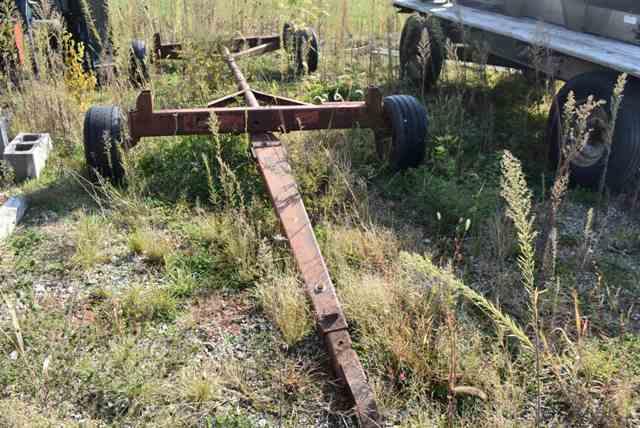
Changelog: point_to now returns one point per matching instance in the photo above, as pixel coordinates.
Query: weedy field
(481, 290)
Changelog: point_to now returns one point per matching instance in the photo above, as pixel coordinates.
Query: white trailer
(586, 43)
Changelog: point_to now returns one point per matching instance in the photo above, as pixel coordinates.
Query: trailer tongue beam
(272, 162)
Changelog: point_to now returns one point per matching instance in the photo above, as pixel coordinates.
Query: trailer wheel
(138, 68)
(307, 51)
(103, 142)
(421, 51)
(288, 35)
(587, 166)
(406, 145)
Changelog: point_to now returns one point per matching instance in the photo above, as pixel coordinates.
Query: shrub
(7, 175)
(139, 305)
(175, 170)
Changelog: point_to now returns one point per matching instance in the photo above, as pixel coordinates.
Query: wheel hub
(596, 146)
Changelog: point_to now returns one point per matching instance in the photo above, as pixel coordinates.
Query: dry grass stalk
(284, 302)
(516, 193)
(154, 246)
(616, 101)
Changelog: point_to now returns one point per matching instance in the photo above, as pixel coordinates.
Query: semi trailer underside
(581, 39)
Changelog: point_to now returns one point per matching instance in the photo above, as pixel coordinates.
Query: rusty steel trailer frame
(401, 118)
(252, 45)
(302, 45)
(282, 115)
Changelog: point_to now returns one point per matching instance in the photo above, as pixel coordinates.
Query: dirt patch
(216, 314)
(84, 317)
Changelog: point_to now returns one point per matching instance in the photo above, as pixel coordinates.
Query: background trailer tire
(307, 51)
(588, 166)
(138, 67)
(421, 51)
(103, 142)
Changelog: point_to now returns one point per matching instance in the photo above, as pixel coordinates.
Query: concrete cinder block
(28, 154)
(10, 215)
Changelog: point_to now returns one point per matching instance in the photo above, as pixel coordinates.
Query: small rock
(13, 356)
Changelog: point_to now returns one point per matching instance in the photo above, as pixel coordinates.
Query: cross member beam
(144, 121)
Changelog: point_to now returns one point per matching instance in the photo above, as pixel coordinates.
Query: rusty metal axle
(145, 122)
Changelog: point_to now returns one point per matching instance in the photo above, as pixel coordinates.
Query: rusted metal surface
(243, 86)
(18, 35)
(240, 43)
(268, 99)
(276, 100)
(240, 46)
(144, 122)
(226, 100)
(258, 50)
(276, 171)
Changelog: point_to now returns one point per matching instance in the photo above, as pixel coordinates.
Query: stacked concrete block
(28, 154)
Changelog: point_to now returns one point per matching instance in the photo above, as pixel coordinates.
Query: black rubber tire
(138, 67)
(416, 31)
(624, 160)
(313, 56)
(307, 43)
(409, 129)
(288, 34)
(103, 143)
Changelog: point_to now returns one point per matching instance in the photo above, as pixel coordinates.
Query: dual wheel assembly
(303, 46)
(423, 53)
